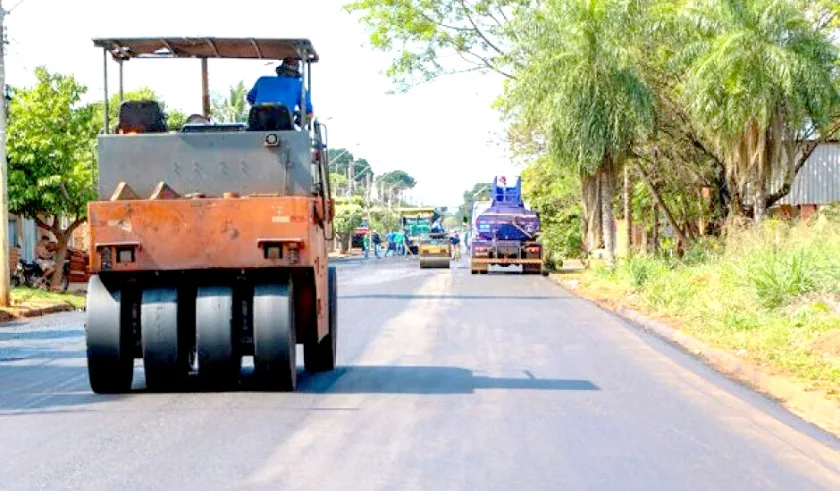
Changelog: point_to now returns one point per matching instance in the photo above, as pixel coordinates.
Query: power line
(16, 6)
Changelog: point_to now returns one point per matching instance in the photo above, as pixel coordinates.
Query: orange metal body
(211, 233)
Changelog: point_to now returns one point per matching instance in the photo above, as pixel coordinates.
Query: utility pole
(5, 267)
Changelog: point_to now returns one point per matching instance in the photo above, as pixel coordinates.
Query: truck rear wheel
(275, 343)
(110, 341)
(219, 359)
(320, 356)
(164, 362)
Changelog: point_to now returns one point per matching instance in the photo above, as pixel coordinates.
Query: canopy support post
(205, 89)
(105, 88)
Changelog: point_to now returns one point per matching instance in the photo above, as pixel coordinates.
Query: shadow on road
(425, 380)
(44, 388)
(32, 334)
(18, 353)
(55, 389)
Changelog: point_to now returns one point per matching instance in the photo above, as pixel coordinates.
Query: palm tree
(583, 90)
(760, 79)
(232, 108)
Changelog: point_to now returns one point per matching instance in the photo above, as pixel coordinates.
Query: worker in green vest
(366, 244)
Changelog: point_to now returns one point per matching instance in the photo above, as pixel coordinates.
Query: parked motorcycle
(33, 276)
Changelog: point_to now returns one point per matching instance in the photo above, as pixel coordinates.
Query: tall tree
(555, 195)
(479, 192)
(51, 151)
(348, 216)
(341, 160)
(584, 91)
(762, 80)
(231, 107)
(431, 38)
(399, 179)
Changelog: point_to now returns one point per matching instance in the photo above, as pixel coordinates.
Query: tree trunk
(345, 243)
(628, 216)
(63, 237)
(658, 198)
(762, 172)
(584, 234)
(591, 198)
(58, 275)
(654, 234)
(607, 221)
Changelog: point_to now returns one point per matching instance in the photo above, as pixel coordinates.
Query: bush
(779, 277)
(643, 268)
(772, 291)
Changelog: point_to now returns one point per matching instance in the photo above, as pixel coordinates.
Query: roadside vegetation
(680, 125)
(769, 293)
(36, 296)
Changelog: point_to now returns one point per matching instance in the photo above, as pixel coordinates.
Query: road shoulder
(35, 303)
(811, 405)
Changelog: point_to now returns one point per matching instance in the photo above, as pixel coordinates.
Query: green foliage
(772, 291)
(430, 38)
(553, 192)
(778, 276)
(175, 119)
(582, 87)
(341, 159)
(51, 147)
(749, 61)
(643, 268)
(337, 182)
(231, 107)
(383, 219)
(399, 179)
(828, 12)
(348, 216)
(479, 192)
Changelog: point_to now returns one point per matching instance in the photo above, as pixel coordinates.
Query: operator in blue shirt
(283, 89)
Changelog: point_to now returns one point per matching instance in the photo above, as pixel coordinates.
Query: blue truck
(506, 232)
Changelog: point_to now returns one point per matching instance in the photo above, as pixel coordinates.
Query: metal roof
(818, 181)
(207, 47)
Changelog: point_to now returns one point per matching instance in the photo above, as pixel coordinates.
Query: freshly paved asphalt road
(448, 381)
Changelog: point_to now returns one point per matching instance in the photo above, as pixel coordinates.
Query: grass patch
(771, 293)
(26, 296)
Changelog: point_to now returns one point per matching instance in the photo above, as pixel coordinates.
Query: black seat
(141, 117)
(270, 118)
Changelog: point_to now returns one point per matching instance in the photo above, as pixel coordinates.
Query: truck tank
(506, 232)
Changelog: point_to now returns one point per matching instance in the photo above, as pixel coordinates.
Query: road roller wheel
(434, 262)
(219, 356)
(320, 356)
(275, 363)
(110, 341)
(164, 358)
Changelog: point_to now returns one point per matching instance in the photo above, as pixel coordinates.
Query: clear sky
(444, 134)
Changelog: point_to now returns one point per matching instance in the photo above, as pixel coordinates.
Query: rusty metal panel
(818, 182)
(184, 234)
(209, 163)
